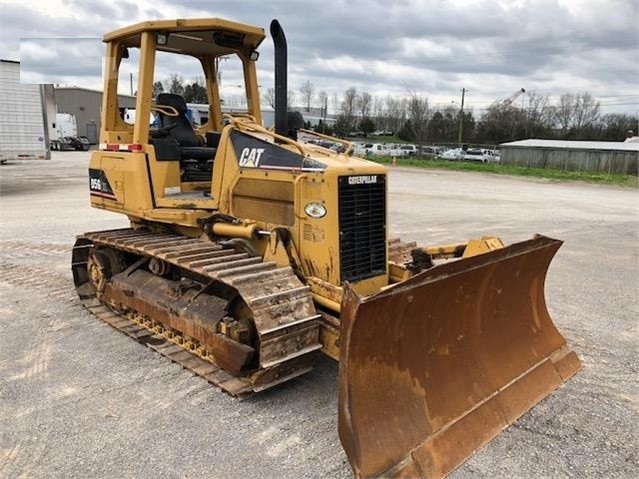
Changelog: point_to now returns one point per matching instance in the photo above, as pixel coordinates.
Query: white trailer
(24, 134)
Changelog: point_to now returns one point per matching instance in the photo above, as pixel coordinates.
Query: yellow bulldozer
(249, 250)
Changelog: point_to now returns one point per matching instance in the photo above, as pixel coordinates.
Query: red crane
(508, 101)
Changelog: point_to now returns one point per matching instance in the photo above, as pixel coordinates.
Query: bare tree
(538, 116)
(378, 114)
(395, 113)
(587, 112)
(174, 84)
(349, 107)
(269, 97)
(322, 98)
(308, 94)
(564, 112)
(364, 101)
(418, 114)
(618, 126)
(576, 112)
(335, 100)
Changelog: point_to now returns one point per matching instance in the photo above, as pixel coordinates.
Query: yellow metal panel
(112, 166)
(264, 200)
(254, 35)
(209, 66)
(482, 245)
(252, 95)
(145, 86)
(113, 129)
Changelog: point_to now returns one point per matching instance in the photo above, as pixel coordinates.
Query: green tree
(367, 126)
(406, 132)
(342, 126)
(469, 127)
(499, 124)
(195, 93)
(324, 128)
(437, 127)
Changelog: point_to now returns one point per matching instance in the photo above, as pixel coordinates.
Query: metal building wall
(603, 161)
(86, 105)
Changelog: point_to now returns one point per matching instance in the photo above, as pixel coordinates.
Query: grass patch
(586, 176)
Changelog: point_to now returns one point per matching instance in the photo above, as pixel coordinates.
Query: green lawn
(590, 177)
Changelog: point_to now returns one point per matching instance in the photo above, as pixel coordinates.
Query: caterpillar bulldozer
(249, 250)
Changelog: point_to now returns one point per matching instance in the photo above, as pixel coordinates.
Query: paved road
(78, 399)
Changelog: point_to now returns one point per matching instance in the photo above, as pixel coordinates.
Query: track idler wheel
(159, 267)
(101, 266)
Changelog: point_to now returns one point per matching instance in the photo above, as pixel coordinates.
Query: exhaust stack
(281, 87)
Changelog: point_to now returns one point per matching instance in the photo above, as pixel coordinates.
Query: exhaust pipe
(281, 87)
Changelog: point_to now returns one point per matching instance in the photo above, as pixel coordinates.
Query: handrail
(165, 110)
(348, 144)
(231, 116)
(242, 124)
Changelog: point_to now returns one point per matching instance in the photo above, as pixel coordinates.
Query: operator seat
(196, 160)
(180, 129)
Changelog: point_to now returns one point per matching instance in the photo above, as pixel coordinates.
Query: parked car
(408, 150)
(359, 148)
(432, 151)
(475, 155)
(455, 154)
(376, 149)
(393, 149)
(491, 155)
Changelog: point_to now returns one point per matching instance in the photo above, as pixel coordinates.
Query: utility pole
(325, 114)
(461, 119)
(131, 79)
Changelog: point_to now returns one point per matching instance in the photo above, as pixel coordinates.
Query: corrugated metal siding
(22, 127)
(603, 161)
(86, 105)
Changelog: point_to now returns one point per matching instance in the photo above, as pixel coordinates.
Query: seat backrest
(183, 131)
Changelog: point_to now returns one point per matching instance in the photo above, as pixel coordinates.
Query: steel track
(282, 307)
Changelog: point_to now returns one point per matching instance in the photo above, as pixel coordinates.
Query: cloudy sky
(384, 47)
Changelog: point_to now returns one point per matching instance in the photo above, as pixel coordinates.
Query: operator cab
(217, 49)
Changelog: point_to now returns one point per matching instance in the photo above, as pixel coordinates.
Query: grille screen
(362, 226)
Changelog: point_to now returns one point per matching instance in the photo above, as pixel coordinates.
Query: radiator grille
(362, 226)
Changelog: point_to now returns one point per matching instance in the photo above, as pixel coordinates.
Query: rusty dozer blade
(435, 367)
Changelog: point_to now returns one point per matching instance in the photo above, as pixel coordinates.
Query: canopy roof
(193, 36)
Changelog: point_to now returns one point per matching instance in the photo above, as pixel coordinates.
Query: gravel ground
(79, 399)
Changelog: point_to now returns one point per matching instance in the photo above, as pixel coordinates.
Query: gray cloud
(490, 47)
(56, 60)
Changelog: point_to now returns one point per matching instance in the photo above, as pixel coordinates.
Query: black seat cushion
(166, 149)
(198, 153)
